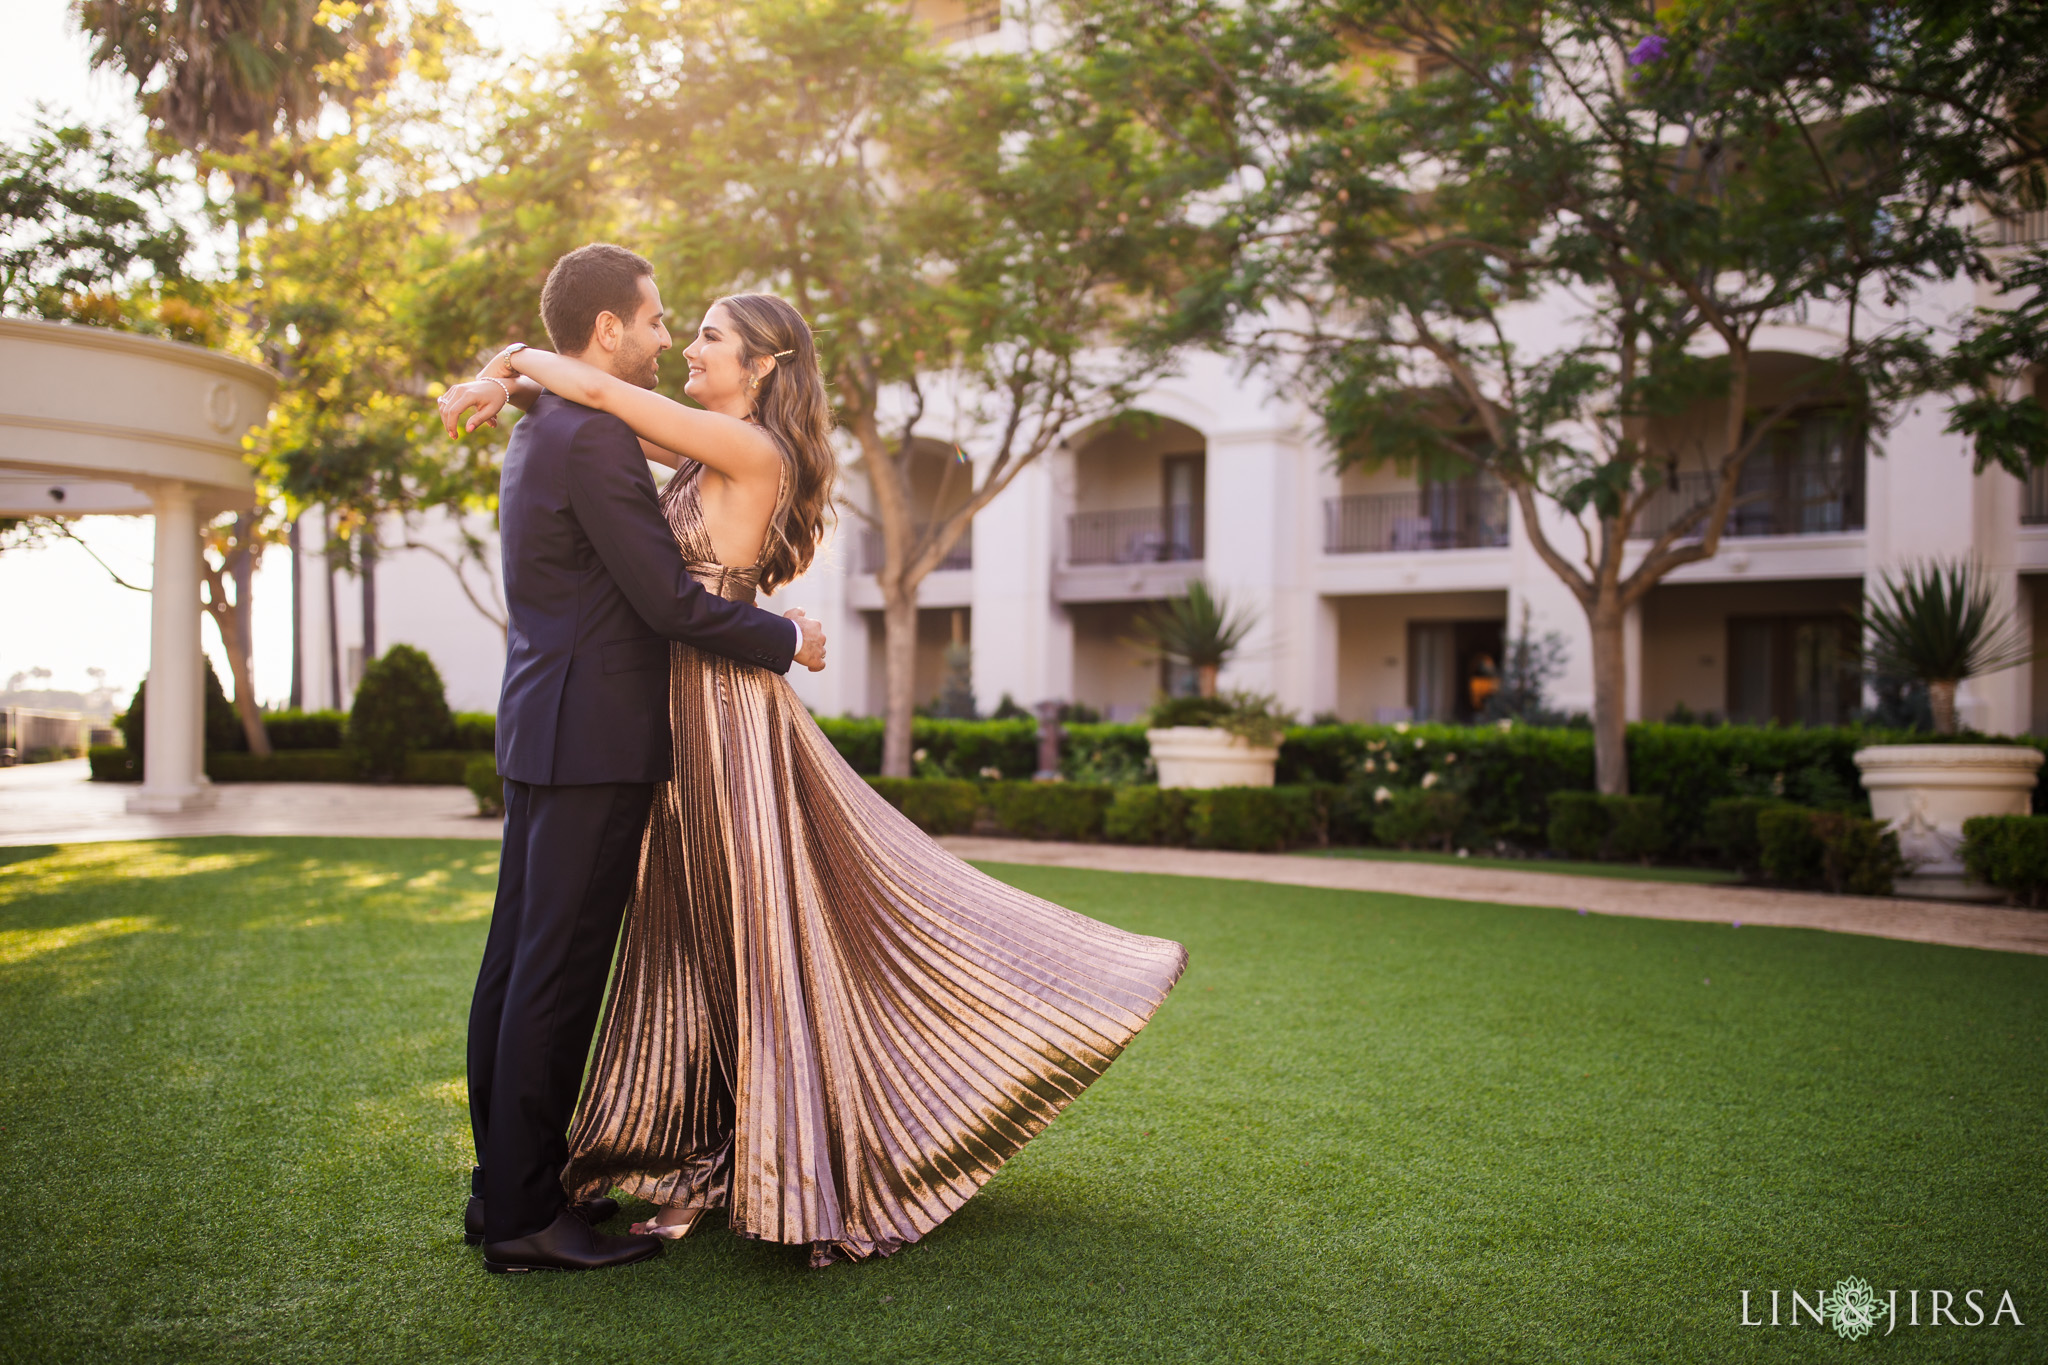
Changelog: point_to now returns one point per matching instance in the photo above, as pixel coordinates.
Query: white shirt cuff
(799, 638)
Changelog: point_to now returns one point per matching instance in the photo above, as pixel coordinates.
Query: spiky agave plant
(1940, 622)
(1199, 630)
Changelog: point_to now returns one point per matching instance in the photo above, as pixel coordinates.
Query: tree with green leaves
(968, 233)
(239, 84)
(89, 233)
(1539, 242)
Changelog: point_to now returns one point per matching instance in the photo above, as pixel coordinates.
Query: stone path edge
(1914, 921)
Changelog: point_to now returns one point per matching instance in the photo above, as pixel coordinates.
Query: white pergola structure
(96, 422)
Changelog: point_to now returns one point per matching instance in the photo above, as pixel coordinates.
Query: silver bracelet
(501, 384)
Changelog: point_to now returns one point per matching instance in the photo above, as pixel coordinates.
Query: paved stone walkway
(1962, 926)
(53, 803)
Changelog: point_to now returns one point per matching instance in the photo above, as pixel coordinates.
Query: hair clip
(779, 354)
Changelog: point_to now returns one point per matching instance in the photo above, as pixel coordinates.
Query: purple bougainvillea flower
(1647, 51)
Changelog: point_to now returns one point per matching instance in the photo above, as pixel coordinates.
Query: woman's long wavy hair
(791, 406)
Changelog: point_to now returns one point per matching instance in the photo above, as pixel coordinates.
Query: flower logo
(1851, 1308)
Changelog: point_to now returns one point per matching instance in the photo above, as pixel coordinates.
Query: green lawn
(1363, 1128)
(1706, 876)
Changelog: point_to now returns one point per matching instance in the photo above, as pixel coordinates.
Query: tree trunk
(297, 700)
(245, 581)
(226, 620)
(1605, 616)
(368, 560)
(1205, 679)
(899, 658)
(1941, 699)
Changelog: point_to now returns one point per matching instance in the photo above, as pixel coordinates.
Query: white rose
(1429, 780)
(1382, 796)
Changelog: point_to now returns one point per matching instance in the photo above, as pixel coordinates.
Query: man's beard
(640, 366)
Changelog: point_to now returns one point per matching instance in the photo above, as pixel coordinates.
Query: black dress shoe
(567, 1244)
(591, 1211)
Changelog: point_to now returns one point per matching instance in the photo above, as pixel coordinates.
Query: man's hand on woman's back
(812, 654)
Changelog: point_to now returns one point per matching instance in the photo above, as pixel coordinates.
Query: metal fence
(1135, 535)
(1770, 501)
(1438, 517)
(961, 556)
(27, 734)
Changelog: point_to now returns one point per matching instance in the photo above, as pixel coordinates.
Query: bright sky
(59, 610)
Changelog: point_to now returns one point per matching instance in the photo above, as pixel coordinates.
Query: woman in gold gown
(819, 1020)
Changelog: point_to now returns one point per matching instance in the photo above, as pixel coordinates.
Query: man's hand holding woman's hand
(812, 655)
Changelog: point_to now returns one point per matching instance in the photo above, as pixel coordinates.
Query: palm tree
(215, 75)
(1199, 631)
(1940, 623)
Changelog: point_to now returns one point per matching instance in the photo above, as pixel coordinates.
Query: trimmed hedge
(1049, 810)
(1115, 753)
(113, 763)
(1587, 825)
(1414, 818)
(299, 765)
(936, 805)
(1509, 775)
(400, 709)
(1729, 831)
(1506, 776)
(1828, 850)
(292, 730)
(2009, 852)
(1251, 819)
(952, 748)
(480, 775)
(473, 731)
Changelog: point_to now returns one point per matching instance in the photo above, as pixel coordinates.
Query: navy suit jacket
(596, 589)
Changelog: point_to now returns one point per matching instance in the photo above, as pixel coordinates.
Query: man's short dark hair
(599, 278)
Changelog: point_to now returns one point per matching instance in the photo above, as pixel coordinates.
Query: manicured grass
(1363, 1128)
(1706, 876)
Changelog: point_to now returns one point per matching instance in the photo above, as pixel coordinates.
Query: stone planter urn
(1926, 791)
(1202, 756)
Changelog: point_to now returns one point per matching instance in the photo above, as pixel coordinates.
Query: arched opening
(1140, 493)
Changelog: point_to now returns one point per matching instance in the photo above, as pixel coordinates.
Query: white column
(1324, 657)
(1023, 640)
(174, 738)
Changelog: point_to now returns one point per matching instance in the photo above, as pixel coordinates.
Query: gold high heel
(670, 1232)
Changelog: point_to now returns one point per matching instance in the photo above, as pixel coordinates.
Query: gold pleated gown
(819, 1019)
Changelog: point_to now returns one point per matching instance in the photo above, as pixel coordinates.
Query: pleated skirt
(819, 1019)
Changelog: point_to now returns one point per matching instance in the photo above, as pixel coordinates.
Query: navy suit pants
(570, 858)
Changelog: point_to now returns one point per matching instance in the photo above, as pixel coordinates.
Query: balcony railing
(2034, 512)
(985, 20)
(1440, 517)
(1135, 535)
(1803, 500)
(2023, 228)
(961, 556)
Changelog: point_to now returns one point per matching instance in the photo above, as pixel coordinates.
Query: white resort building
(1377, 597)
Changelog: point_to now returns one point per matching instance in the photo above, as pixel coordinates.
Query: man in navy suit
(596, 589)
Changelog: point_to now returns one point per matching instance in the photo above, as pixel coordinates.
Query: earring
(755, 386)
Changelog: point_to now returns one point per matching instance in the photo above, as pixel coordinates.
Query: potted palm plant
(1208, 740)
(1940, 623)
